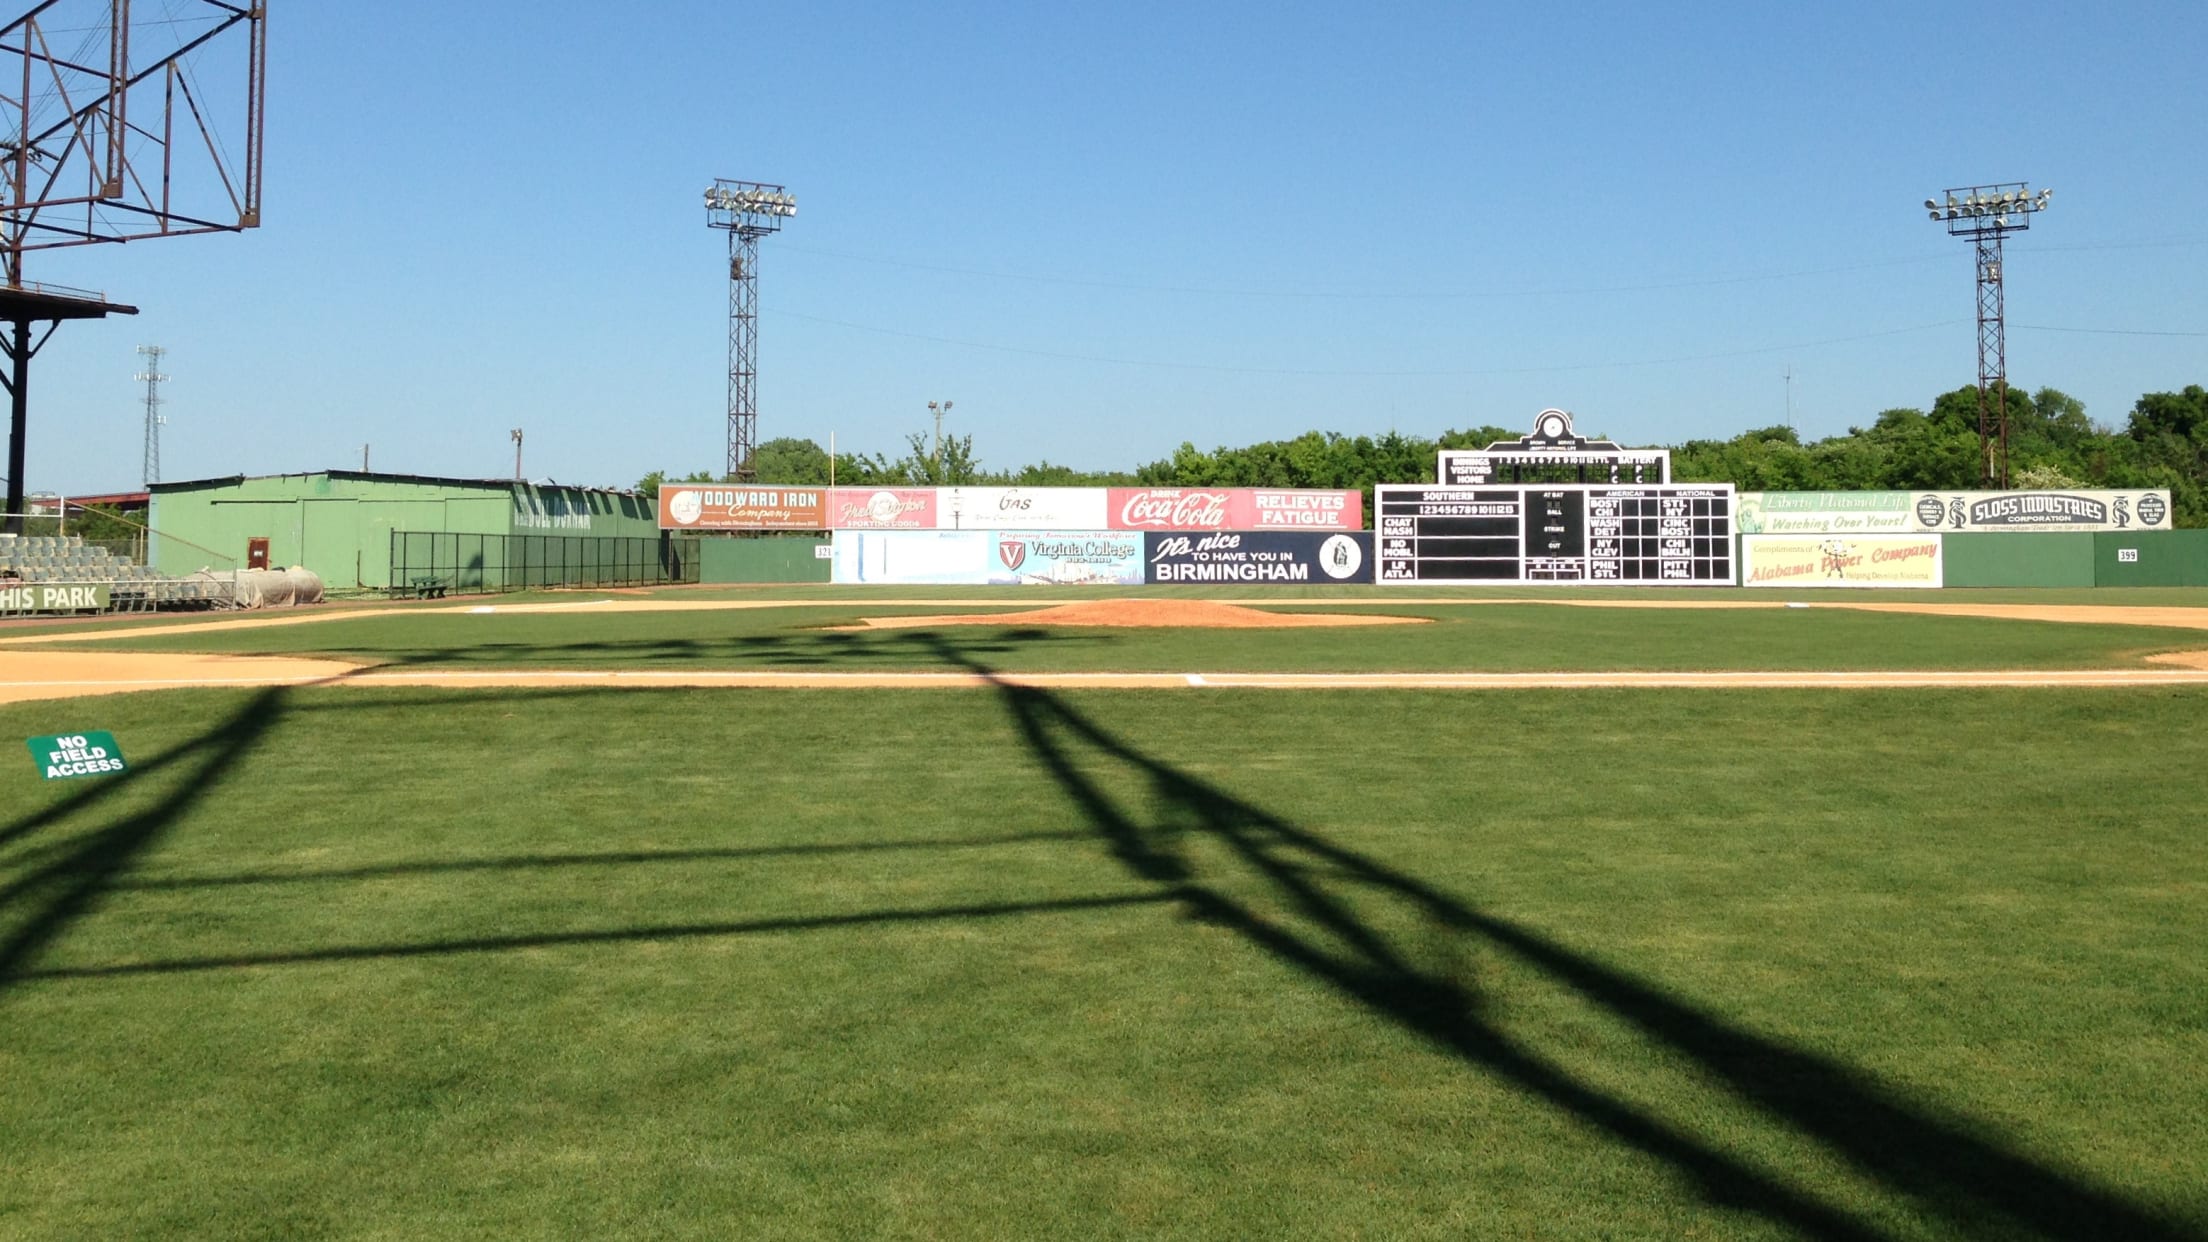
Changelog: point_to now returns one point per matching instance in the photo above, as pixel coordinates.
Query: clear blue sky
(1102, 230)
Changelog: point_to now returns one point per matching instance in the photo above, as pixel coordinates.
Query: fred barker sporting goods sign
(1265, 557)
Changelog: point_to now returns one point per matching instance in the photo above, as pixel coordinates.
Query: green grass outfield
(394, 963)
(1505, 636)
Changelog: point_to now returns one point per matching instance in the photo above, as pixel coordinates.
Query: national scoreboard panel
(1554, 533)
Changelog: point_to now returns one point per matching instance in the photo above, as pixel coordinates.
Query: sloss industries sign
(1233, 508)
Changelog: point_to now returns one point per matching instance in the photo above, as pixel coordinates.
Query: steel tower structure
(153, 379)
(748, 210)
(1986, 214)
(107, 134)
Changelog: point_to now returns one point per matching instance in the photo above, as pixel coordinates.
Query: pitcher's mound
(1187, 613)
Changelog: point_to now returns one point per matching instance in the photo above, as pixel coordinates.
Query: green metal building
(339, 523)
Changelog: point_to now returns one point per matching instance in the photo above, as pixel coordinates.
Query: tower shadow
(61, 881)
(1952, 1171)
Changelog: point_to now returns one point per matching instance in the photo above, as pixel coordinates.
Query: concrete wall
(774, 558)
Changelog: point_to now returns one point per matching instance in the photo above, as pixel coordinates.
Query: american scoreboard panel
(1554, 533)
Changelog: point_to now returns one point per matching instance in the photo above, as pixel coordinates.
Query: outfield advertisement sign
(1841, 561)
(2066, 510)
(713, 507)
(986, 557)
(1823, 513)
(1873, 513)
(54, 597)
(1065, 558)
(1029, 508)
(1262, 557)
(911, 557)
(1233, 508)
(882, 508)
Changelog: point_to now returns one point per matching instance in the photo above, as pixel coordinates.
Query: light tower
(152, 378)
(749, 210)
(1986, 214)
(108, 133)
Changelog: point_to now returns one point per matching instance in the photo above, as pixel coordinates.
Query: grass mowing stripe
(1785, 962)
(1497, 638)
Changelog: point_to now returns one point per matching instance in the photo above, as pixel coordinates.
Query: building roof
(379, 476)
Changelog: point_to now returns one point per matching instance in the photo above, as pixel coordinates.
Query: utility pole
(939, 409)
(152, 378)
(517, 454)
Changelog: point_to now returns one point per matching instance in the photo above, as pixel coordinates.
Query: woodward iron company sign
(742, 508)
(1871, 513)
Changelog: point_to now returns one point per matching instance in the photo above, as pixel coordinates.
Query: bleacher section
(131, 587)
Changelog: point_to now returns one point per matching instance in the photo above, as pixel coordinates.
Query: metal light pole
(749, 210)
(516, 434)
(1986, 214)
(939, 409)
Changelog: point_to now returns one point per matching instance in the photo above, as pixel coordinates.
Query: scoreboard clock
(1678, 535)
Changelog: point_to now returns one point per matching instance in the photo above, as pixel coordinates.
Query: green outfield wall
(2018, 560)
(2151, 558)
(338, 523)
(775, 558)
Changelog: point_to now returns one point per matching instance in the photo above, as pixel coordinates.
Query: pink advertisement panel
(881, 508)
(1233, 508)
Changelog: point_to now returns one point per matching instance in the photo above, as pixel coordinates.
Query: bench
(428, 586)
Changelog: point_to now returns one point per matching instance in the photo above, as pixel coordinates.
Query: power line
(1437, 295)
(2035, 327)
(1362, 374)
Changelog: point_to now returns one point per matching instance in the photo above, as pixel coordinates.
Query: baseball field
(814, 914)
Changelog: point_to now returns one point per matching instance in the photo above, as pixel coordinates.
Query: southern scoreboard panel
(1554, 533)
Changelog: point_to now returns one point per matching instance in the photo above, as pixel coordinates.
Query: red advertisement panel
(882, 508)
(1233, 508)
(724, 506)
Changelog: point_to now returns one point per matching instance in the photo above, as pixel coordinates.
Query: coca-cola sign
(1168, 509)
(1234, 508)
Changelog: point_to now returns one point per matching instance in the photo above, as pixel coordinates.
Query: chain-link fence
(438, 562)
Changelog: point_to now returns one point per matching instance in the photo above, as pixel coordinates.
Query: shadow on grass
(1950, 1169)
(805, 649)
(59, 882)
(624, 858)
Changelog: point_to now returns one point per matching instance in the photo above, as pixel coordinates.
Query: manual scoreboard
(1554, 533)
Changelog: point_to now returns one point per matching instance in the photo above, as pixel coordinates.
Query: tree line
(2052, 445)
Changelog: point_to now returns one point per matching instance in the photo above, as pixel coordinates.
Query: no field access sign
(67, 756)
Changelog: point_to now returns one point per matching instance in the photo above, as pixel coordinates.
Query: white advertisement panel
(1028, 508)
(911, 557)
(1841, 561)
